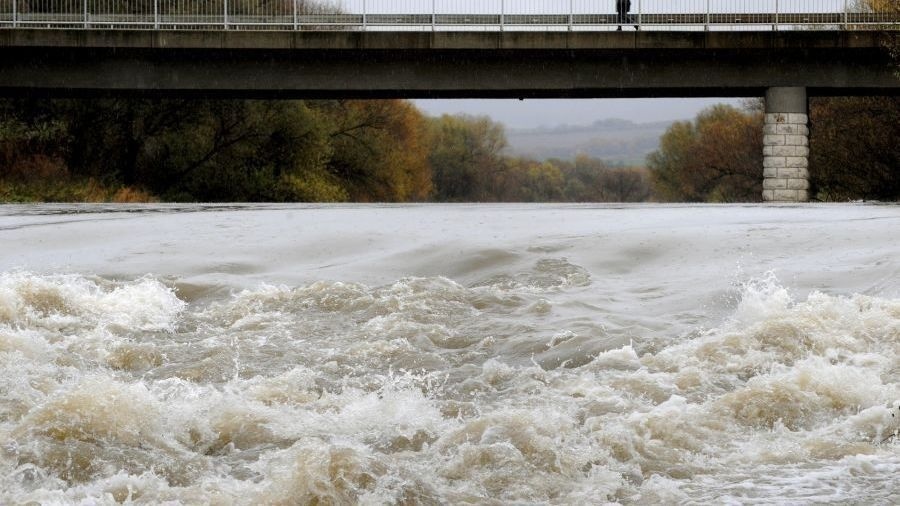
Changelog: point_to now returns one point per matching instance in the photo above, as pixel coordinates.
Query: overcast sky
(552, 112)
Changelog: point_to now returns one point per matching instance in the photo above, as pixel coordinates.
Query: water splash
(426, 390)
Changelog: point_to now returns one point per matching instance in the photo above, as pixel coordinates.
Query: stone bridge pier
(786, 146)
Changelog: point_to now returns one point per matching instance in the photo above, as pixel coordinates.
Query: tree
(854, 153)
(28, 147)
(380, 149)
(592, 180)
(202, 150)
(247, 151)
(107, 138)
(526, 180)
(466, 158)
(627, 184)
(717, 157)
(238, 150)
(583, 178)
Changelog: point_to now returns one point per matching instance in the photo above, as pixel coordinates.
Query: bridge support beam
(786, 146)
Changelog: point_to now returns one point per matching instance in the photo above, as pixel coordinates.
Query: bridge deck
(410, 64)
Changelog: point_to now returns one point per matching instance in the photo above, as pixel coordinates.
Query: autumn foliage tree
(319, 151)
(217, 150)
(203, 150)
(855, 148)
(380, 149)
(28, 147)
(527, 180)
(466, 158)
(592, 180)
(715, 158)
(854, 153)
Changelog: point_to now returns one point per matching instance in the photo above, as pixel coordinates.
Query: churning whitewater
(449, 354)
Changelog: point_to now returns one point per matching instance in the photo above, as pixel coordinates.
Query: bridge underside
(441, 64)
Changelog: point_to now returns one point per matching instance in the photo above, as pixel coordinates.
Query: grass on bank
(82, 191)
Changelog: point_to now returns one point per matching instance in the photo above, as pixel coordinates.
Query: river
(449, 354)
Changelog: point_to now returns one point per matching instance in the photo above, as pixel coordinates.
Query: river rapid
(471, 354)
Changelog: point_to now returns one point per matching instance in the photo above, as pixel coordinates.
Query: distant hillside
(617, 141)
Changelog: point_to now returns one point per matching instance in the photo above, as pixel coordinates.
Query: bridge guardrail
(426, 15)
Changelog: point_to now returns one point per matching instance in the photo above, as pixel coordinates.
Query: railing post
(294, 13)
(846, 14)
(85, 13)
(433, 14)
(777, 10)
(365, 13)
(706, 18)
(640, 11)
(15, 14)
(156, 14)
(571, 13)
(225, 13)
(502, 14)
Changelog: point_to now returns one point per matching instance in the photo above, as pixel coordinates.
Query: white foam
(587, 357)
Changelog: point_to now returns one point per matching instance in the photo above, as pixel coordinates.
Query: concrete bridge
(417, 57)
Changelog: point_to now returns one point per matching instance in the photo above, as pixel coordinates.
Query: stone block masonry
(786, 146)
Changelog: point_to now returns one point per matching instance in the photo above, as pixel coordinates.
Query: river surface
(471, 354)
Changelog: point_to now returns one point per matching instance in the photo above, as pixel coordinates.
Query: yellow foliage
(127, 194)
(883, 5)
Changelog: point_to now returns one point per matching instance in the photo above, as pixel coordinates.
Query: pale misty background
(620, 131)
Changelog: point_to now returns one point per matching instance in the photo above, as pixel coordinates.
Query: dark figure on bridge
(622, 8)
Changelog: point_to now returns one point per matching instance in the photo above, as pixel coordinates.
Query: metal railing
(451, 15)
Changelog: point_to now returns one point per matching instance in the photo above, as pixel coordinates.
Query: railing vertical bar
(706, 18)
(846, 14)
(225, 13)
(571, 13)
(15, 13)
(640, 12)
(156, 14)
(777, 10)
(365, 14)
(502, 15)
(85, 12)
(294, 13)
(433, 15)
